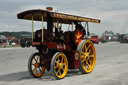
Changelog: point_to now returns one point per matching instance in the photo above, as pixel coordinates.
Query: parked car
(94, 39)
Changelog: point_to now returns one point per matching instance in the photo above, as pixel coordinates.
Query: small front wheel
(59, 65)
(36, 65)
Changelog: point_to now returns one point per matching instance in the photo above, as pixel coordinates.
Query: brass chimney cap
(49, 8)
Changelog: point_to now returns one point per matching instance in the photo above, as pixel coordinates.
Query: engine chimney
(49, 8)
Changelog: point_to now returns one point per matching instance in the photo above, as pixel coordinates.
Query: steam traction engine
(59, 51)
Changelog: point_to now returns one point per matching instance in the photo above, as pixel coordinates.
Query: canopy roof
(61, 17)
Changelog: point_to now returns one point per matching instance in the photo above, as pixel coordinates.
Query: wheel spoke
(57, 63)
(56, 66)
(89, 67)
(83, 55)
(62, 67)
(34, 69)
(89, 52)
(35, 59)
(39, 59)
(84, 65)
(84, 59)
(89, 61)
(61, 60)
(40, 70)
(57, 71)
(57, 59)
(33, 64)
(82, 52)
(63, 64)
(88, 47)
(92, 56)
(84, 48)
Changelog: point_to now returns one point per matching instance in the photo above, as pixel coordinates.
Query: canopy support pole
(85, 24)
(32, 28)
(58, 25)
(72, 26)
(68, 27)
(87, 30)
(42, 29)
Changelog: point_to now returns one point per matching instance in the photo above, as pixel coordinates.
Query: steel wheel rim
(87, 56)
(37, 68)
(60, 66)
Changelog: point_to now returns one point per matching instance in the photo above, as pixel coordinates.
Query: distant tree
(15, 34)
(106, 31)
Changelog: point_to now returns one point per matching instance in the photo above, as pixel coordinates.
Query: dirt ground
(111, 68)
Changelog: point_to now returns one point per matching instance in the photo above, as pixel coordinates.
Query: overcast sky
(112, 13)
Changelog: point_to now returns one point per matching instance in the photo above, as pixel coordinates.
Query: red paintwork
(68, 47)
(73, 63)
(50, 44)
(67, 37)
(62, 47)
(36, 43)
(76, 63)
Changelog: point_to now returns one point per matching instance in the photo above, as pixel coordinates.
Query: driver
(79, 26)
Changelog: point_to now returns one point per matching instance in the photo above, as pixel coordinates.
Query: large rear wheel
(87, 56)
(36, 65)
(59, 65)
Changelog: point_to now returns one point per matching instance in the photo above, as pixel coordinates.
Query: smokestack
(49, 8)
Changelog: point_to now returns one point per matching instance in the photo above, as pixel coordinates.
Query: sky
(112, 13)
